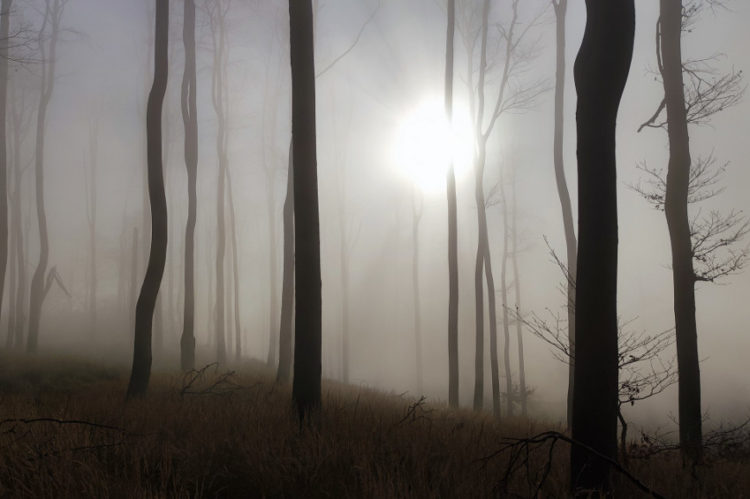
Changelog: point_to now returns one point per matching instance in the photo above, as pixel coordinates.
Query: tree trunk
(523, 396)
(417, 211)
(676, 211)
(92, 181)
(601, 70)
(273, 278)
(218, 32)
(452, 222)
(307, 344)
(190, 121)
(287, 289)
(133, 296)
(235, 271)
(561, 7)
(52, 15)
(4, 42)
(144, 311)
(504, 298)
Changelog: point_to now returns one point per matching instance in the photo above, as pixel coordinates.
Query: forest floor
(66, 431)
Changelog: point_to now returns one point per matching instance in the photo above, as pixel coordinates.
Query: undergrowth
(66, 431)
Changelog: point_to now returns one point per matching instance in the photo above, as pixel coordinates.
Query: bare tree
(144, 312)
(523, 393)
(601, 70)
(90, 182)
(235, 269)
(52, 16)
(307, 344)
(701, 245)
(513, 94)
(217, 13)
(561, 7)
(190, 122)
(284, 371)
(4, 43)
(452, 219)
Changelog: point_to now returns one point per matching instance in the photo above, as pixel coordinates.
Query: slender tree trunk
(504, 297)
(307, 344)
(133, 295)
(678, 221)
(235, 271)
(273, 278)
(523, 396)
(218, 31)
(190, 121)
(92, 181)
(52, 16)
(601, 70)
(452, 222)
(561, 7)
(417, 210)
(287, 289)
(4, 42)
(481, 224)
(144, 311)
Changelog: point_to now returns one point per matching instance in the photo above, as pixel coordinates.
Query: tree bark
(284, 371)
(561, 7)
(190, 121)
(307, 345)
(601, 70)
(676, 211)
(452, 221)
(144, 310)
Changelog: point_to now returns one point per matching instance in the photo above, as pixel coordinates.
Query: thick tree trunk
(273, 276)
(601, 70)
(307, 344)
(561, 7)
(52, 15)
(452, 221)
(284, 371)
(676, 210)
(190, 121)
(144, 310)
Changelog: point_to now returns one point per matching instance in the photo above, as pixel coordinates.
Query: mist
(381, 166)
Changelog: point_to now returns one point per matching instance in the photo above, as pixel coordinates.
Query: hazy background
(104, 70)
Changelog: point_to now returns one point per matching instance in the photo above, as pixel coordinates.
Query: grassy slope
(239, 438)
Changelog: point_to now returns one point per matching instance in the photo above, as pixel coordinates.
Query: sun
(425, 144)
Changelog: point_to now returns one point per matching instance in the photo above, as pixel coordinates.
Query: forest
(374, 248)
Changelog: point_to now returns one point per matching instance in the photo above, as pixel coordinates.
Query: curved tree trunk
(561, 7)
(52, 16)
(307, 344)
(144, 310)
(190, 121)
(601, 70)
(676, 210)
(284, 371)
(452, 221)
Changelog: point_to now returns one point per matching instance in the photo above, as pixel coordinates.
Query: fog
(383, 61)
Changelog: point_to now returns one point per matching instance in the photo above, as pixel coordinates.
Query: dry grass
(237, 437)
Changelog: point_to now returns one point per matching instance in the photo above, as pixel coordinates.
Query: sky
(362, 102)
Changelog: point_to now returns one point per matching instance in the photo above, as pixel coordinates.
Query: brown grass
(239, 438)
